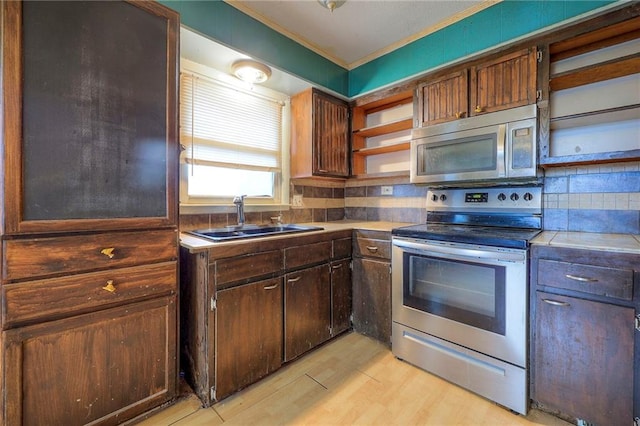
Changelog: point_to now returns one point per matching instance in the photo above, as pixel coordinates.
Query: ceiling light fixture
(251, 71)
(331, 4)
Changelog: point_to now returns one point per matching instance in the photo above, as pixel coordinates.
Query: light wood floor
(352, 380)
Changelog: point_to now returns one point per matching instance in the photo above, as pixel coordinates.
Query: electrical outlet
(297, 200)
(386, 190)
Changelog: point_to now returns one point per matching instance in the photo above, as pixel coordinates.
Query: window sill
(219, 208)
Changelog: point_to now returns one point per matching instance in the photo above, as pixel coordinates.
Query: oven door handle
(426, 249)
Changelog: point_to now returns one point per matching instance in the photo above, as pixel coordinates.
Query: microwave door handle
(501, 150)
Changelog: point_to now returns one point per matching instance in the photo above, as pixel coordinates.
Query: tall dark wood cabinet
(89, 211)
(319, 135)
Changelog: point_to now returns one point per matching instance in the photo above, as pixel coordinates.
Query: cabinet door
(583, 359)
(372, 299)
(443, 99)
(248, 335)
(506, 82)
(330, 136)
(307, 302)
(102, 367)
(91, 140)
(340, 296)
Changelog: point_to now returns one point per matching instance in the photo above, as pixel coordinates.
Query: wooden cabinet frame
(13, 221)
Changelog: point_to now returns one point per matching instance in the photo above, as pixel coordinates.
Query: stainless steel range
(459, 289)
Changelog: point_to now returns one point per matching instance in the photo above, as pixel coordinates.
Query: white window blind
(227, 127)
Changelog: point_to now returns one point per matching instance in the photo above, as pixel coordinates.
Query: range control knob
(501, 196)
(434, 197)
(528, 196)
(514, 197)
(443, 197)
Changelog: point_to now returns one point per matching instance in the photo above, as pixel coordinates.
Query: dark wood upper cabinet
(319, 135)
(507, 81)
(444, 99)
(90, 134)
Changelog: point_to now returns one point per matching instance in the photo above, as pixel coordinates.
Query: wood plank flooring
(352, 380)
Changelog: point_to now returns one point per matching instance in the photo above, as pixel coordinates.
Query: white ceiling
(355, 33)
(359, 30)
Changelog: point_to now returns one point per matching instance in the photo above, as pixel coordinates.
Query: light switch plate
(297, 200)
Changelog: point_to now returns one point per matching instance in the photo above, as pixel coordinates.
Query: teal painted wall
(497, 24)
(230, 27)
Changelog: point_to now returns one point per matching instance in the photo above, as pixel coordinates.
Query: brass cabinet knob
(110, 287)
(108, 252)
(478, 108)
(460, 114)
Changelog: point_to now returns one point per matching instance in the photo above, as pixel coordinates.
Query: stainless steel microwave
(499, 146)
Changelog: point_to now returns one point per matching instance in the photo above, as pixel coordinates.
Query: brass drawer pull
(338, 266)
(460, 114)
(372, 249)
(110, 287)
(270, 287)
(478, 108)
(555, 302)
(293, 280)
(108, 252)
(582, 279)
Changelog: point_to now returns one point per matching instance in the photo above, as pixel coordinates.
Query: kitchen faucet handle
(239, 198)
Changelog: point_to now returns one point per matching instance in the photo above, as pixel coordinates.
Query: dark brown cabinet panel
(87, 148)
(584, 353)
(307, 310)
(584, 359)
(506, 82)
(319, 135)
(340, 296)
(89, 211)
(249, 333)
(372, 299)
(239, 326)
(444, 99)
(103, 367)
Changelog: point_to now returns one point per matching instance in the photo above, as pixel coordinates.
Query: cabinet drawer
(58, 297)
(341, 248)
(598, 280)
(295, 257)
(240, 268)
(370, 247)
(40, 257)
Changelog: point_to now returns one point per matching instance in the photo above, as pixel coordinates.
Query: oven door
(473, 296)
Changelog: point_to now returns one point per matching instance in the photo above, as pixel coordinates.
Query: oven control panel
(497, 198)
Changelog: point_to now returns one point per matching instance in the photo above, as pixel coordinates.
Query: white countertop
(624, 243)
(194, 243)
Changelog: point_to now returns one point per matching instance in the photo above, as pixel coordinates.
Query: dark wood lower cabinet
(340, 296)
(584, 359)
(372, 298)
(249, 334)
(104, 367)
(307, 307)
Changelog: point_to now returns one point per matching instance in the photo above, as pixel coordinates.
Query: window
(233, 141)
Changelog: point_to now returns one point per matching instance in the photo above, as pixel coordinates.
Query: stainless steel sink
(251, 231)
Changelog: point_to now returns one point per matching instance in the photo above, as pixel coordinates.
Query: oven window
(466, 292)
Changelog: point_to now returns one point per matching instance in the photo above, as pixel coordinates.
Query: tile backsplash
(594, 198)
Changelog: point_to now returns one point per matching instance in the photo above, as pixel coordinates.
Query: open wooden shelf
(384, 149)
(383, 129)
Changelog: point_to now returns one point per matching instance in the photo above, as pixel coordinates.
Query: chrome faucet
(239, 202)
